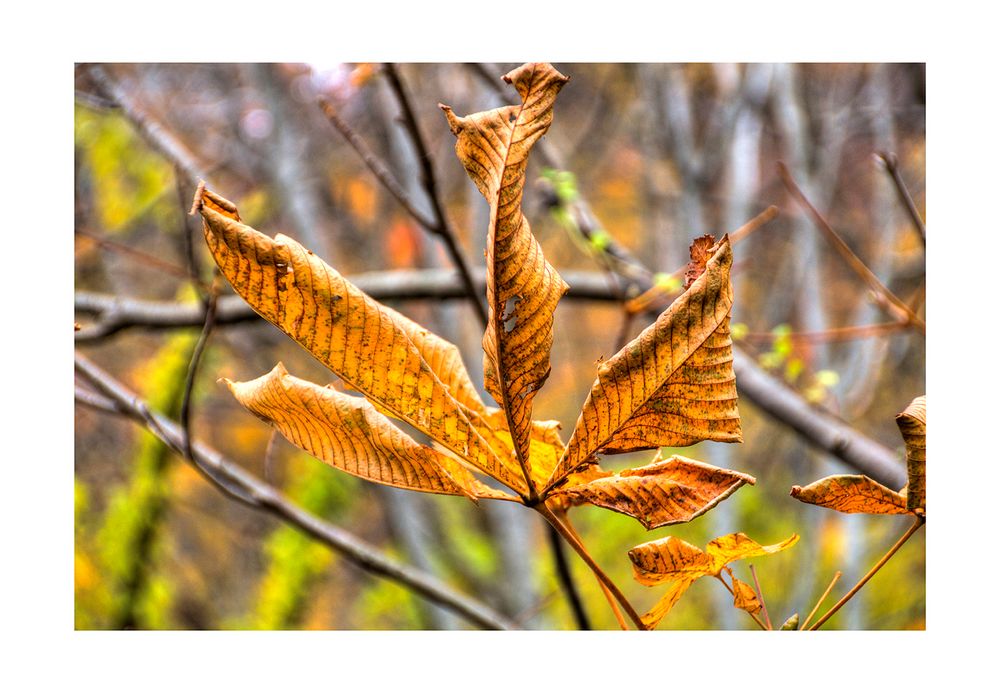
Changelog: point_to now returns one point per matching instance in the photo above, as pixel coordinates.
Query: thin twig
(821, 600)
(375, 165)
(248, 489)
(199, 348)
(443, 227)
(152, 131)
(143, 258)
(268, 456)
(743, 232)
(589, 560)
(917, 524)
(834, 334)
(891, 163)
(889, 301)
(760, 596)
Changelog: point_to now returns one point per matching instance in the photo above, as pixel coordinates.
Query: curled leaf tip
(196, 202)
(454, 122)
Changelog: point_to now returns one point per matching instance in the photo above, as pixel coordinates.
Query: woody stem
(564, 518)
(589, 560)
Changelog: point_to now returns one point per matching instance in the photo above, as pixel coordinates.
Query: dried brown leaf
(402, 368)
(744, 597)
(349, 434)
(522, 289)
(674, 560)
(738, 546)
(913, 426)
(664, 492)
(671, 386)
(851, 493)
(701, 251)
(652, 618)
(668, 559)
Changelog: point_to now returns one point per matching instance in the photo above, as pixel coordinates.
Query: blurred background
(642, 157)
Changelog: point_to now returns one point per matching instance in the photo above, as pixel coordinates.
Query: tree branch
(891, 163)
(443, 228)
(116, 313)
(893, 305)
(151, 130)
(258, 494)
(787, 407)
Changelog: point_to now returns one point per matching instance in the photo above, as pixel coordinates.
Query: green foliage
(296, 561)
(129, 531)
(128, 179)
(668, 282)
(563, 183)
(386, 605)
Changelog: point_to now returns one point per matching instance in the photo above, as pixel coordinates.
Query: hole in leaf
(510, 314)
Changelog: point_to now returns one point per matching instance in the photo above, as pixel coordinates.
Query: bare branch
(116, 313)
(152, 131)
(893, 305)
(375, 165)
(269, 499)
(821, 430)
(891, 163)
(199, 348)
(443, 228)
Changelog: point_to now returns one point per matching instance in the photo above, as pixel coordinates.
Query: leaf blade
(673, 385)
(664, 492)
(912, 424)
(852, 493)
(738, 546)
(522, 287)
(349, 434)
(365, 343)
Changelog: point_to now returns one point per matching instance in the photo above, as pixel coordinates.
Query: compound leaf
(675, 561)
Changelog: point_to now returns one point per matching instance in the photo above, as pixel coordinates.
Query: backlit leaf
(913, 426)
(852, 493)
(673, 385)
(735, 547)
(402, 368)
(522, 289)
(667, 559)
(349, 434)
(744, 597)
(652, 618)
(673, 560)
(664, 492)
